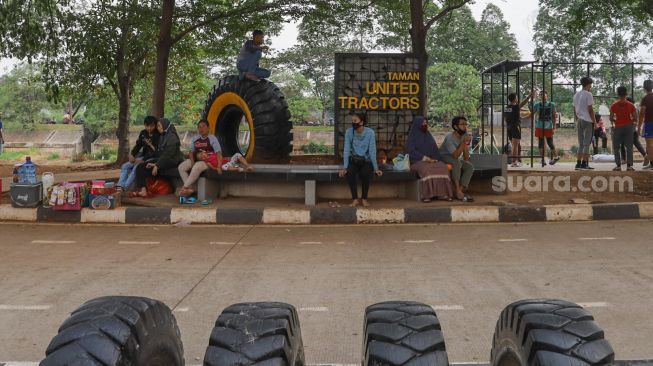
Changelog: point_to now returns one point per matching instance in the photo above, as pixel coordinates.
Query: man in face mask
(455, 151)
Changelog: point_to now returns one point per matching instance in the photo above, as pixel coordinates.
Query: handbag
(401, 162)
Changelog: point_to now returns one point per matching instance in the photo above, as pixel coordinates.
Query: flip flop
(206, 202)
(191, 200)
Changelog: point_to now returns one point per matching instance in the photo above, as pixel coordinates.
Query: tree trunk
(418, 40)
(123, 119)
(163, 47)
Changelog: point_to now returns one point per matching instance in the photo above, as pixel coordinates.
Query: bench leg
(310, 193)
(411, 190)
(207, 189)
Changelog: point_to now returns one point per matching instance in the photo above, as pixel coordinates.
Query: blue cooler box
(26, 195)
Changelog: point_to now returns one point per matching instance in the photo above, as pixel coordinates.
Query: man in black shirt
(146, 144)
(513, 123)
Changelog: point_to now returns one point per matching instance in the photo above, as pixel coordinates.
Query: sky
(521, 15)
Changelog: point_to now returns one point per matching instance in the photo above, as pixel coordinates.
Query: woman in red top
(622, 117)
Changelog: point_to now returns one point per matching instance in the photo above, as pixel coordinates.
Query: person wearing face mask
(455, 151)
(359, 158)
(426, 161)
(168, 155)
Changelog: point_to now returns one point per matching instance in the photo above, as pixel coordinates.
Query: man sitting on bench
(456, 146)
(249, 56)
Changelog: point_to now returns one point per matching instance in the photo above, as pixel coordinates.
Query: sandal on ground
(206, 202)
(191, 200)
(468, 198)
(355, 203)
(365, 203)
(445, 198)
(426, 200)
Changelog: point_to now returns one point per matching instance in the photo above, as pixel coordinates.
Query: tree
(218, 26)
(320, 37)
(23, 98)
(454, 89)
(302, 102)
(487, 42)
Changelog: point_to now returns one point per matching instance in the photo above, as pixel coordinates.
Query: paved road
(330, 273)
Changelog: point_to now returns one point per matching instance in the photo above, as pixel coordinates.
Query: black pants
(599, 134)
(365, 171)
(142, 172)
(636, 144)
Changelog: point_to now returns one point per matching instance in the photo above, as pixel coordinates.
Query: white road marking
(182, 310)
(127, 242)
(603, 238)
(594, 304)
(221, 243)
(11, 363)
(511, 240)
(448, 307)
(418, 241)
(310, 242)
(320, 309)
(341, 242)
(25, 307)
(54, 241)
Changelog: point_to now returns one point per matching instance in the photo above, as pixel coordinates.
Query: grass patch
(53, 156)
(13, 155)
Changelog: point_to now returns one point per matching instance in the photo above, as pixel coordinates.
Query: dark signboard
(383, 85)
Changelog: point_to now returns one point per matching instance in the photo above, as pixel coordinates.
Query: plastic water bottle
(48, 181)
(28, 172)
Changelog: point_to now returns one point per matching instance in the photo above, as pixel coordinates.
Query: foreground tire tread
(546, 332)
(261, 334)
(117, 330)
(403, 333)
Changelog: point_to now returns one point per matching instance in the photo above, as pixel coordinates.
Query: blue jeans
(127, 175)
(250, 64)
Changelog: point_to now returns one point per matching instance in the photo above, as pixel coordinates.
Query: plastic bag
(401, 163)
(158, 186)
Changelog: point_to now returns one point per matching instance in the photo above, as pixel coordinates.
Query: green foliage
(23, 100)
(302, 102)
(317, 148)
(453, 90)
(105, 154)
(487, 42)
(53, 156)
(13, 155)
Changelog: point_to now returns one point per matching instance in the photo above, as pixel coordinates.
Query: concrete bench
(313, 182)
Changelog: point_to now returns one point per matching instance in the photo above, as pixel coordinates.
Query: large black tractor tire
(259, 333)
(117, 331)
(263, 107)
(549, 333)
(403, 333)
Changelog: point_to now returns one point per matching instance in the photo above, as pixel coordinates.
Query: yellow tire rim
(222, 102)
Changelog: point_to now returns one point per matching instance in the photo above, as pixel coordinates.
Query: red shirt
(203, 144)
(623, 110)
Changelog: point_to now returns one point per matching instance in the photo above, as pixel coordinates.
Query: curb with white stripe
(286, 216)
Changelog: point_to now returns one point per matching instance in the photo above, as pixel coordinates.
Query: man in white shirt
(584, 113)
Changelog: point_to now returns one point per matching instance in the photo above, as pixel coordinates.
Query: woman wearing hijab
(426, 161)
(168, 155)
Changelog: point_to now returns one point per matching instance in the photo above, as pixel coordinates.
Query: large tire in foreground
(403, 333)
(261, 108)
(549, 333)
(261, 333)
(118, 330)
